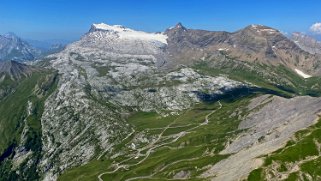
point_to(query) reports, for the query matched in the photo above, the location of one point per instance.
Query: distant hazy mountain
(307, 43)
(14, 48)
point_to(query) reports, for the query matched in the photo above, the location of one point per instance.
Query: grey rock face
(104, 76)
(279, 118)
(255, 43)
(271, 123)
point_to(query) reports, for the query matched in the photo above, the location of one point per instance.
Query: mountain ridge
(128, 104)
(254, 43)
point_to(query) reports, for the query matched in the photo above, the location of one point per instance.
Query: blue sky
(69, 19)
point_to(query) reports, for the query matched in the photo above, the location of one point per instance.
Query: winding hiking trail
(206, 117)
(153, 145)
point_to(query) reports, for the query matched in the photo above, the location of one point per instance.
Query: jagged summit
(179, 25)
(254, 43)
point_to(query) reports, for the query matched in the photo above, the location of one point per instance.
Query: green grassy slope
(192, 152)
(161, 159)
(300, 158)
(13, 107)
(14, 117)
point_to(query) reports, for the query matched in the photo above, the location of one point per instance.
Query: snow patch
(302, 74)
(127, 33)
(223, 49)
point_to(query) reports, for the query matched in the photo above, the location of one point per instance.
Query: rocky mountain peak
(179, 25)
(252, 43)
(177, 28)
(261, 30)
